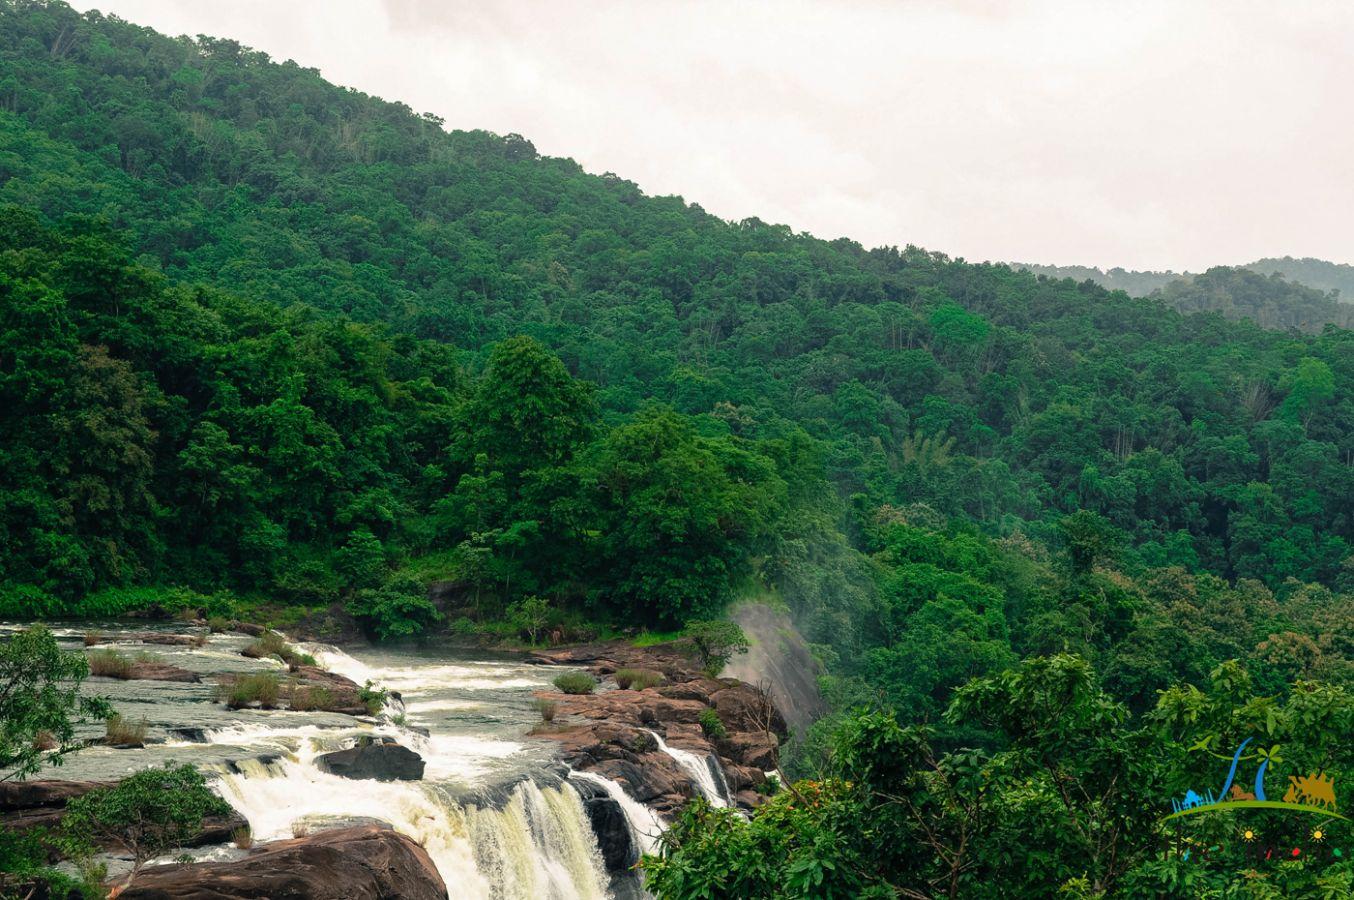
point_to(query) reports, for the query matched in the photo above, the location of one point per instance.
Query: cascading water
(535, 842)
(493, 809)
(703, 772)
(645, 826)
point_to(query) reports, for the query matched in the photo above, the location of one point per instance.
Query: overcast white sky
(1170, 134)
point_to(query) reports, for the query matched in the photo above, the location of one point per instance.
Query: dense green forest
(263, 337)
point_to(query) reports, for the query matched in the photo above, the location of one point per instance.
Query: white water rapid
(703, 772)
(491, 829)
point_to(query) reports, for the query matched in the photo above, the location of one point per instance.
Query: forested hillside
(1315, 273)
(1306, 294)
(1268, 300)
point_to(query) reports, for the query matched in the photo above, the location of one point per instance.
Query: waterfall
(645, 826)
(536, 845)
(700, 771)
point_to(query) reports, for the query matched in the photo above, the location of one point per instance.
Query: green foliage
(144, 814)
(40, 694)
(372, 697)
(712, 726)
(576, 683)
(715, 643)
(1066, 797)
(23, 866)
(399, 608)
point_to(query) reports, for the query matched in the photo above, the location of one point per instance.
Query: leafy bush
(711, 725)
(144, 814)
(40, 692)
(637, 679)
(529, 615)
(715, 643)
(399, 608)
(576, 683)
(24, 871)
(121, 730)
(109, 664)
(272, 645)
(372, 697)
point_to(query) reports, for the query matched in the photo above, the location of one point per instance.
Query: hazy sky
(1170, 134)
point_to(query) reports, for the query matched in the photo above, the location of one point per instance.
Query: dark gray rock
(379, 760)
(609, 825)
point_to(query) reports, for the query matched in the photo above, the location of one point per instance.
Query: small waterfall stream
(645, 826)
(704, 772)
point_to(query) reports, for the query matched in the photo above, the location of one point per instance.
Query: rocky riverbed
(458, 765)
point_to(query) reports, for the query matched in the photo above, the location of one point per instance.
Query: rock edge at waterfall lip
(609, 732)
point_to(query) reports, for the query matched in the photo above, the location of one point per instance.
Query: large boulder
(742, 707)
(379, 760)
(756, 749)
(365, 863)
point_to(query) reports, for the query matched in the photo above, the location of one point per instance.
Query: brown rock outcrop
(611, 732)
(363, 863)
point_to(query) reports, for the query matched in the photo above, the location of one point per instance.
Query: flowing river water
(495, 810)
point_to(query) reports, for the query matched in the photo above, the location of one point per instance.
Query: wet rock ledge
(611, 732)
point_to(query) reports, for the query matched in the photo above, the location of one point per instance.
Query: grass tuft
(576, 683)
(638, 679)
(547, 709)
(110, 664)
(121, 730)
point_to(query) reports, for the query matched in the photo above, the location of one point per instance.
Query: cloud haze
(1142, 134)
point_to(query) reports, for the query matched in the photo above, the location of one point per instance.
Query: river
(496, 810)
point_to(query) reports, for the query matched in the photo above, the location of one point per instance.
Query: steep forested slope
(990, 394)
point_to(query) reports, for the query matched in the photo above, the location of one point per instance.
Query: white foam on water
(538, 845)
